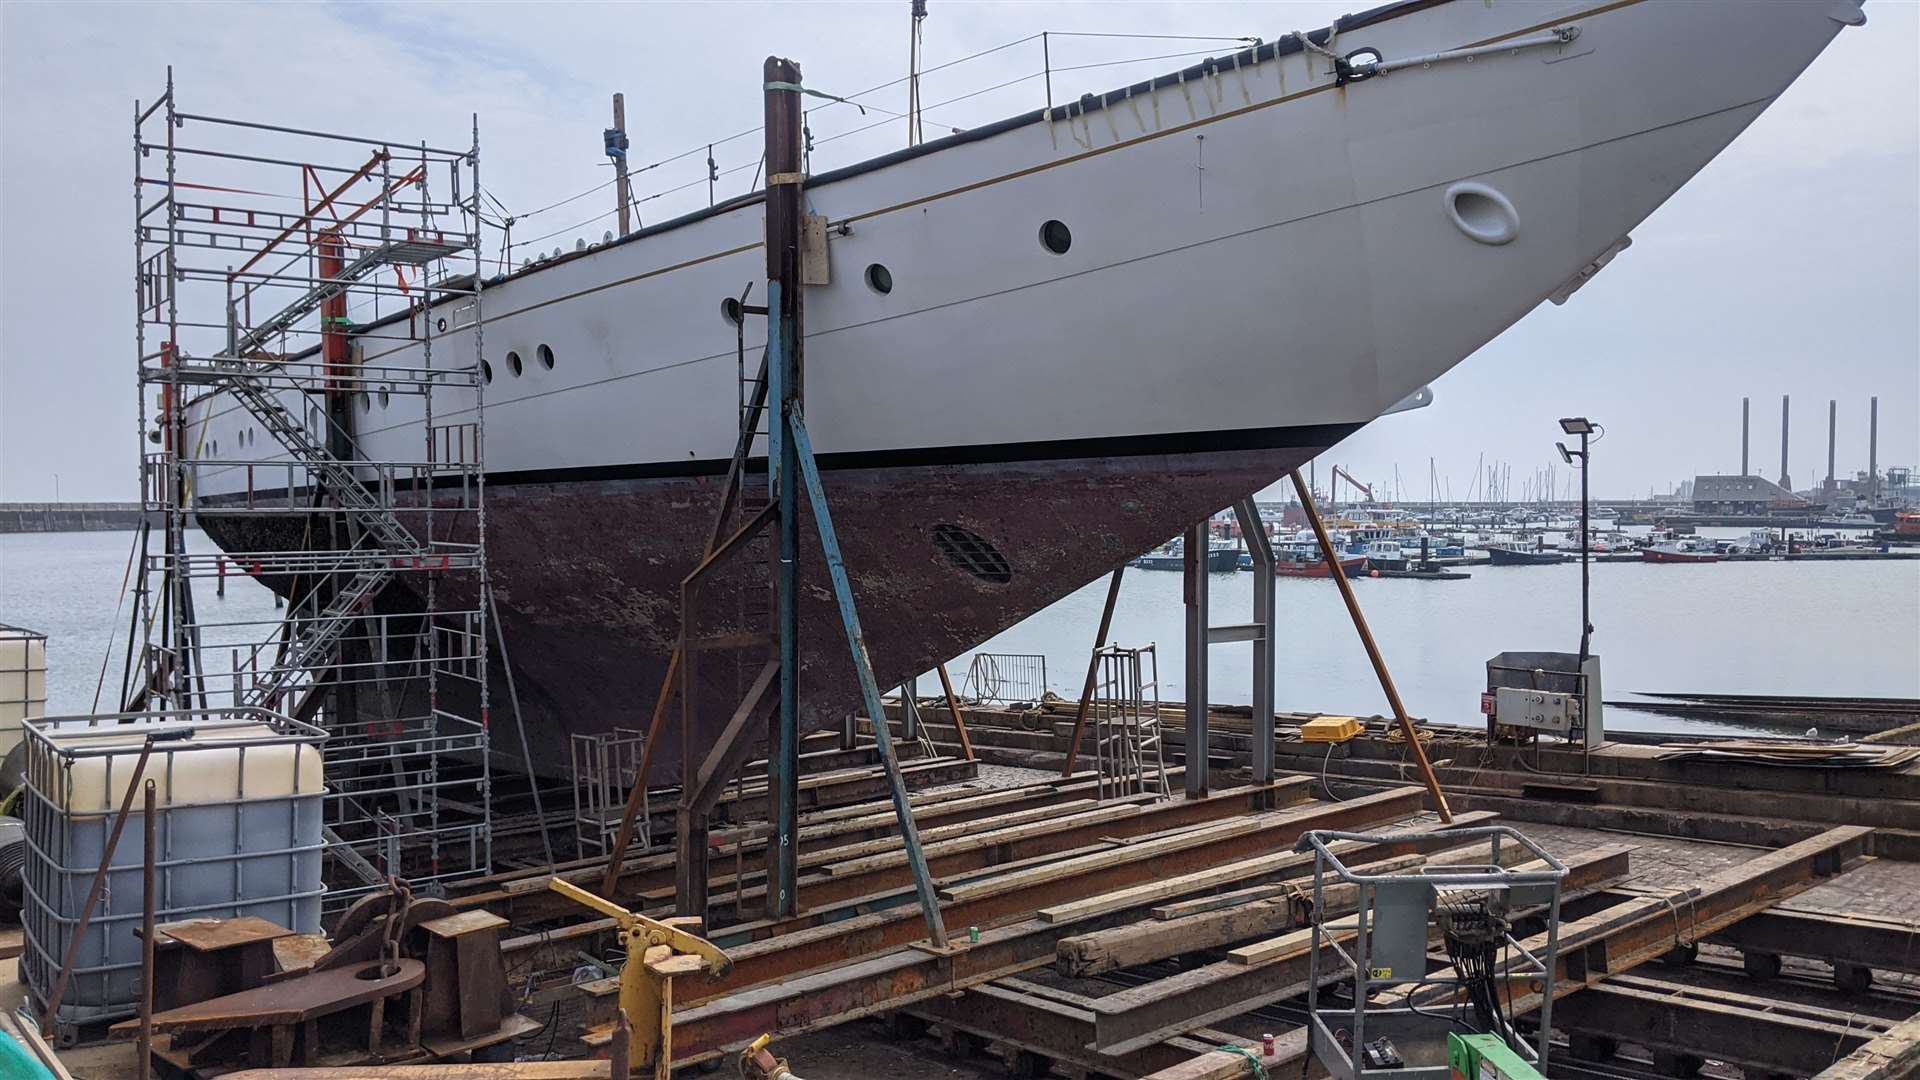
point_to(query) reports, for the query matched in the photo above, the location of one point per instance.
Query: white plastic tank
(23, 682)
(238, 795)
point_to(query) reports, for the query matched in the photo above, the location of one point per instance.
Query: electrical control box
(1549, 692)
(1540, 710)
(1330, 729)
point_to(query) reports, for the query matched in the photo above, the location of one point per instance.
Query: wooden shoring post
(1199, 742)
(960, 725)
(1093, 668)
(1379, 662)
(785, 338)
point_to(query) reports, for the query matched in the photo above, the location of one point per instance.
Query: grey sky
(1790, 265)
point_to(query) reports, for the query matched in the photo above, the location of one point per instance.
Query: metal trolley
(1385, 944)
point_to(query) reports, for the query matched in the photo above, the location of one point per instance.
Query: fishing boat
(1126, 307)
(1683, 551)
(1386, 555)
(1305, 560)
(1514, 555)
(1220, 557)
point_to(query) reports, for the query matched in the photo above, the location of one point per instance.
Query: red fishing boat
(1306, 561)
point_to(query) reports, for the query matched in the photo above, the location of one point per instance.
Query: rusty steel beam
(1737, 1029)
(1055, 1024)
(1622, 937)
(1867, 941)
(853, 968)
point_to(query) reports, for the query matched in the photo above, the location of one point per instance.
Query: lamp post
(1581, 426)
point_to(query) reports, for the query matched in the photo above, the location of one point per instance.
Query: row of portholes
(514, 365)
(1055, 238)
(246, 437)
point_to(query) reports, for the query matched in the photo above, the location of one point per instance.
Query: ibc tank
(23, 681)
(238, 825)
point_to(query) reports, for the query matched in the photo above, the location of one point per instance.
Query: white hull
(1310, 275)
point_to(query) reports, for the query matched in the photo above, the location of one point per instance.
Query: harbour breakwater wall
(23, 517)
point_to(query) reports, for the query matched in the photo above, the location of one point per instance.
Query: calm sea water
(1765, 628)
(1836, 628)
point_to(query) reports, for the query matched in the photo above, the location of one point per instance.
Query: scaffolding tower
(311, 395)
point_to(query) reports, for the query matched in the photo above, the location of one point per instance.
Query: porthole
(386, 396)
(1056, 237)
(973, 553)
(513, 363)
(546, 357)
(216, 448)
(879, 279)
(730, 310)
(486, 372)
(440, 325)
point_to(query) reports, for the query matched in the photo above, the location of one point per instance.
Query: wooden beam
(1093, 668)
(1893, 1056)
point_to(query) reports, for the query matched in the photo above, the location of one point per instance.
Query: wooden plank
(1276, 863)
(1893, 1056)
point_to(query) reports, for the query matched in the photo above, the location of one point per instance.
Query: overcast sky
(1791, 265)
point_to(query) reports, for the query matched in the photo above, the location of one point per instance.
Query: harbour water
(1839, 628)
(1811, 628)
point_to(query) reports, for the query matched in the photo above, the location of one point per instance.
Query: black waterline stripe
(1305, 436)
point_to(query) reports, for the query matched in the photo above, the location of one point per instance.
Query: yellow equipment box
(1332, 729)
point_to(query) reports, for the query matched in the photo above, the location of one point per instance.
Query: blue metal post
(802, 447)
(783, 780)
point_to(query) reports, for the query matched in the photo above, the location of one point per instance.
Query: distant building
(1742, 495)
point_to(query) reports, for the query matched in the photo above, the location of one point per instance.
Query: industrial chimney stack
(1745, 417)
(1873, 449)
(1833, 420)
(1785, 480)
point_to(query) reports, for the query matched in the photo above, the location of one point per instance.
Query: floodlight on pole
(1581, 426)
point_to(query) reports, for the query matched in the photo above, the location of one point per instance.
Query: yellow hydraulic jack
(663, 948)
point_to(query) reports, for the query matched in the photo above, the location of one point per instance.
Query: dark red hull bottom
(587, 578)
